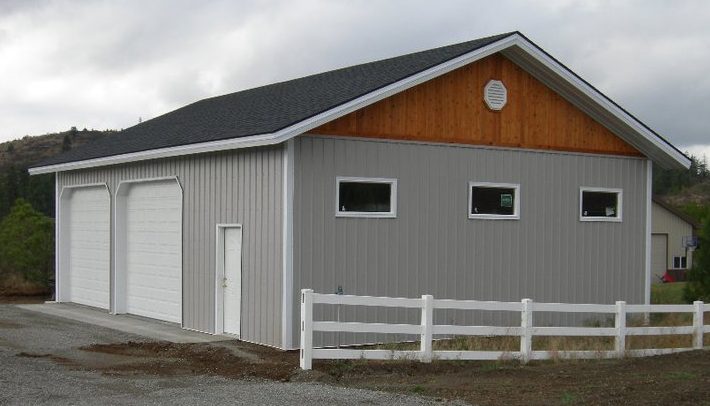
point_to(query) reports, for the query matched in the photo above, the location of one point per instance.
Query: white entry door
(232, 282)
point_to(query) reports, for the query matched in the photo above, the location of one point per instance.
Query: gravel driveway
(41, 363)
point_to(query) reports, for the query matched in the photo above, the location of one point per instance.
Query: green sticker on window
(506, 200)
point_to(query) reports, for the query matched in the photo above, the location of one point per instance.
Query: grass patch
(568, 398)
(419, 389)
(682, 375)
(667, 293)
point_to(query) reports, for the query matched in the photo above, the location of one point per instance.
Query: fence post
(427, 328)
(699, 325)
(620, 324)
(526, 323)
(306, 328)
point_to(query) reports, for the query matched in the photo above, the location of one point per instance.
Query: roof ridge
(491, 38)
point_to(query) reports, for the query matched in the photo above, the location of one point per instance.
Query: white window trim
(366, 214)
(619, 204)
(516, 201)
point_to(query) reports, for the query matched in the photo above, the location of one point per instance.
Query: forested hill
(17, 155)
(33, 149)
(687, 190)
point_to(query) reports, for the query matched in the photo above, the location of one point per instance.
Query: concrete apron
(149, 328)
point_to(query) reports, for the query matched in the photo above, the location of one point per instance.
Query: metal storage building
(671, 239)
(485, 170)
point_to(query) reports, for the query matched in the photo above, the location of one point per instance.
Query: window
(598, 204)
(680, 262)
(495, 201)
(366, 197)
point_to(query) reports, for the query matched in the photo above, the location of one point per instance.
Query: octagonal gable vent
(495, 95)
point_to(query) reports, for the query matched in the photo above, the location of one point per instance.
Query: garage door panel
(152, 252)
(157, 309)
(152, 294)
(150, 285)
(159, 267)
(153, 219)
(89, 246)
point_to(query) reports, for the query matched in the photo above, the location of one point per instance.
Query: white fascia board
(375, 96)
(212, 146)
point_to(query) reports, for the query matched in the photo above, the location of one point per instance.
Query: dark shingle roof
(266, 109)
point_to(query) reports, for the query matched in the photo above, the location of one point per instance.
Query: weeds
(491, 366)
(682, 375)
(478, 343)
(568, 398)
(667, 293)
(340, 368)
(15, 284)
(419, 389)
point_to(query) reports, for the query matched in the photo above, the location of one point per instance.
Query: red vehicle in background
(673, 275)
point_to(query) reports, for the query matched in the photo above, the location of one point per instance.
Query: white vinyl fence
(427, 329)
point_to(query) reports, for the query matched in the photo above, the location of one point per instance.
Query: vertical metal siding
(241, 186)
(432, 247)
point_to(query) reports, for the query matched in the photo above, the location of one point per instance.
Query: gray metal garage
(398, 177)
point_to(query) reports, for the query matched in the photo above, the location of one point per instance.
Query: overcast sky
(104, 64)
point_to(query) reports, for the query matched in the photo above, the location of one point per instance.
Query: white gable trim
(604, 102)
(514, 40)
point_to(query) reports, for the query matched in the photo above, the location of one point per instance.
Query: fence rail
(526, 331)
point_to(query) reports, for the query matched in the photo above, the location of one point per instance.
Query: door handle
(224, 282)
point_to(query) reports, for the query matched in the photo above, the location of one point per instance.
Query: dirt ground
(674, 379)
(234, 360)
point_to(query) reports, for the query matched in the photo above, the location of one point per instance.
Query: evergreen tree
(667, 181)
(698, 286)
(66, 143)
(10, 190)
(26, 243)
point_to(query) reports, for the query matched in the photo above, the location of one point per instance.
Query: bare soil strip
(674, 379)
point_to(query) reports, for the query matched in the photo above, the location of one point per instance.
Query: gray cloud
(103, 64)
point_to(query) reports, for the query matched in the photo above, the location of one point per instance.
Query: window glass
(364, 197)
(492, 200)
(600, 204)
(680, 262)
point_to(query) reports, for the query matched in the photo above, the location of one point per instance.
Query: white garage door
(659, 255)
(154, 250)
(89, 247)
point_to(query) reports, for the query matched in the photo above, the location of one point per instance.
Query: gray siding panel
(241, 186)
(433, 248)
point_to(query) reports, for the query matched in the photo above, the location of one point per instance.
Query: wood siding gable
(451, 109)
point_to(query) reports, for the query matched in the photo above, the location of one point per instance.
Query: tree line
(26, 231)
